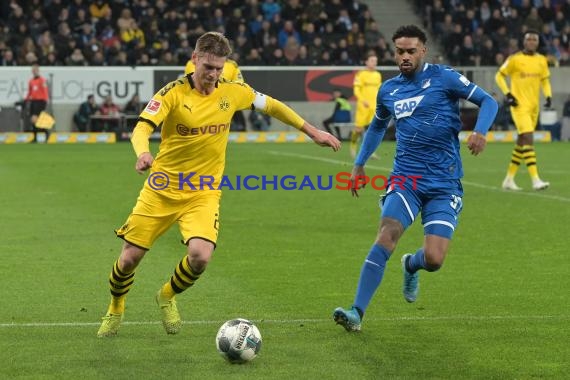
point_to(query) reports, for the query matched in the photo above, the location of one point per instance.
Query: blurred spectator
(62, 41)
(546, 12)
(303, 58)
(112, 112)
(372, 34)
(133, 108)
(50, 60)
(259, 121)
(325, 59)
(341, 113)
(292, 10)
(8, 58)
(365, 20)
(76, 58)
(291, 51)
(82, 117)
(37, 24)
(28, 47)
(485, 12)
(133, 36)
(80, 19)
(270, 8)
(98, 8)
(126, 19)
(16, 19)
(533, 20)
(253, 58)
(277, 58)
(514, 23)
(56, 11)
(287, 32)
(343, 24)
(314, 9)
(488, 52)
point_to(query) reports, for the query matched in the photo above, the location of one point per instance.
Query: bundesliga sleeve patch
(152, 107)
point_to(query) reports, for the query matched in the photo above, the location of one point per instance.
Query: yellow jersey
(528, 73)
(195, 131)
(366, 85)
(230, 72)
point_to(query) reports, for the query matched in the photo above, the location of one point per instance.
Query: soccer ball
(238, 340)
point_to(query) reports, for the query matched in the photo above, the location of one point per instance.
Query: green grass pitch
(498, 309)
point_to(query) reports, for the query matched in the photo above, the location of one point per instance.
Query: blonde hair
(213, 43)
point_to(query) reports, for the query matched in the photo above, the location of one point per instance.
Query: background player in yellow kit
(231, 71)
(366, 85)
(195, 114)
(528, 72)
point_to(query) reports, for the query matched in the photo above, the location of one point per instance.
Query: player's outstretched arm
(358, 180)
(140, 141)
(282, 112)
(321, 138)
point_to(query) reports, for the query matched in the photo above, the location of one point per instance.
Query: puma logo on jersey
(189, 108)
(406, 107)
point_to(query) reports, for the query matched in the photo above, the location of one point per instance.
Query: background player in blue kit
(423, 101)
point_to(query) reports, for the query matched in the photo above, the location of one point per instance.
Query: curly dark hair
(409, 31)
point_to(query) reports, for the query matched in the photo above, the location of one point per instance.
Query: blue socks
(416, 262)
(370, 276)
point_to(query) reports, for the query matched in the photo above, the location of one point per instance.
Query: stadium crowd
(484, 33)
(163, 32)
(267, 32)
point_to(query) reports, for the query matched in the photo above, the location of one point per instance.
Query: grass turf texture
(285, 259)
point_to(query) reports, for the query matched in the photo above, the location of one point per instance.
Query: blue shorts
(439, 201)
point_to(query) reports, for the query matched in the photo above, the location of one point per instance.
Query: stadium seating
(263, 32)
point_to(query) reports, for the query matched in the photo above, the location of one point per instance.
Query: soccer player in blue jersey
(423, 101)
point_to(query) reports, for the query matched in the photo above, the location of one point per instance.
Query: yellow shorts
(364, 115)
(197, 216)
(525, 120)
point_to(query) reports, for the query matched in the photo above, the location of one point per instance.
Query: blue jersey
(425, 109)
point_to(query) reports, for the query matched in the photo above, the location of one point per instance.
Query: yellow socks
(120, 283)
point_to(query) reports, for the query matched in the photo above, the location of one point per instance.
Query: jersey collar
(191, 81)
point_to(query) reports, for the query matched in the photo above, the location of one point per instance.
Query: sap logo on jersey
(406, 107)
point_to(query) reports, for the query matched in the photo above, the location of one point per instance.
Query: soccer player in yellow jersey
(528, 72)
(195, 114)
(366, 85)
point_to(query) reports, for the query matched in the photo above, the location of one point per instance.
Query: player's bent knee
(430, 267)
(198, 258)
(433, 262)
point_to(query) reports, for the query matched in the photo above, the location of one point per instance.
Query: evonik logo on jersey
(406, 107)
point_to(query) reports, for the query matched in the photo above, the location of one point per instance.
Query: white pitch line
(306, 320)
(468, 183)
